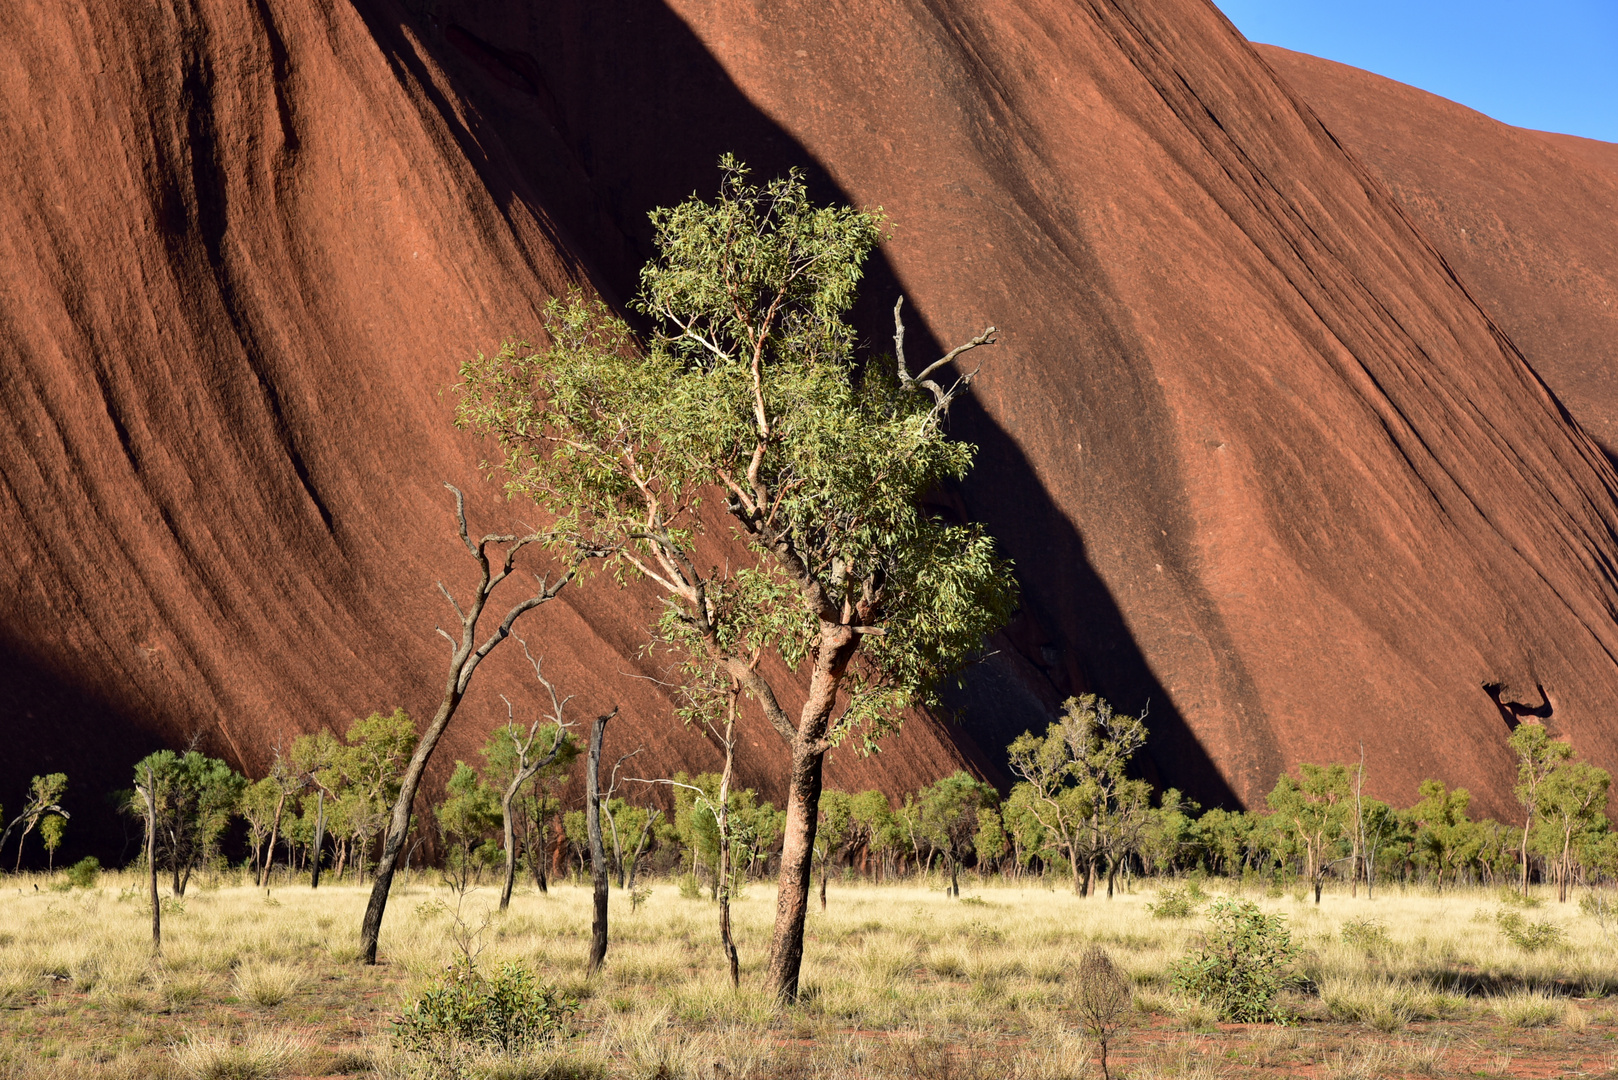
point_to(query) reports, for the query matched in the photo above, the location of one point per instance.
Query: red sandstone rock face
(1528, 219)
(1261, 459)
(244, 248)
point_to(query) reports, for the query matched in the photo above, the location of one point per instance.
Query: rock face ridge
(1266, 466)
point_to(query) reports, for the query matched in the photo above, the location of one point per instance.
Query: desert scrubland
(899, 981)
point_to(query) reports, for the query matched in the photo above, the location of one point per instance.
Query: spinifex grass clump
(1242, 963)
(507, 1012)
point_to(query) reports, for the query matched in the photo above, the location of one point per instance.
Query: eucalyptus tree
(516, 758)
(836, 826)
(947, 816)
(1572, 810)
(749, 389)
(187, 800)
(44, 797)
(1313, 813)
(1076, 787)
(1538, 755)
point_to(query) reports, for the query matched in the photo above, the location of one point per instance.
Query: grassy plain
(900, 981)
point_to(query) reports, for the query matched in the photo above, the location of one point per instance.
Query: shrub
(1241, 965)
(1529, 936)
(1103, 1000)
(1176, 903)
(1367, 934)
(507, 1012)
(1599, 907)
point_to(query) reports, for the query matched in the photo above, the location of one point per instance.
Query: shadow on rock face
(68, 727)
(594, 114)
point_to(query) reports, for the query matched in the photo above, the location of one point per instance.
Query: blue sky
(1547, 64)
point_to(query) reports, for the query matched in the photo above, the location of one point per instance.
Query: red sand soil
(1264, 462)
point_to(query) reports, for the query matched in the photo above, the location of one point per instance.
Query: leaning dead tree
(467, 652)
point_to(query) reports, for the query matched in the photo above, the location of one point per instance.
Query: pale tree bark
(150, 794)
(275, 834)
(598, 857)
(467, 654)
(1359, 830)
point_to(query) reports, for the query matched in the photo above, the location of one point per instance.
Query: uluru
(1298, 430)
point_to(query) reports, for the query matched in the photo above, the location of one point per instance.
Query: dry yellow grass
(898, 981)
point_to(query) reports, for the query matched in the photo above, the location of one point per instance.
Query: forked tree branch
(941, 397)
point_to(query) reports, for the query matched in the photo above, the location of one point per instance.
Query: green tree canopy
(1314, 813)
(195, 797)
(749, 390)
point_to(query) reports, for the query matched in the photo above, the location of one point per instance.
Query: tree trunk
(1562, 872)
(640, 848)
(151, 862)
(797, 856)
(726, 939)
(275, 834)
(954, 878)
(1525, 829)
(320, 839)
(598, 857)
(544, 853)
(823, 869)
(510, 840)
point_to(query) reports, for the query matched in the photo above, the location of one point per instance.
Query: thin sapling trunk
(598, 857)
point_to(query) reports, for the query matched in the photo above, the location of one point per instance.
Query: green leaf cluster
(1242, 963)
(506, 1012)
(748, 389)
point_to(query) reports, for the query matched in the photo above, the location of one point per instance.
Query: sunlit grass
(891, 975)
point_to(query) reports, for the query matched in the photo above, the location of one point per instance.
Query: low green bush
(1529, 936)
(1241, 964)
(1368, 935)
(1176, 903)
(85, 873)
(506, 1012)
